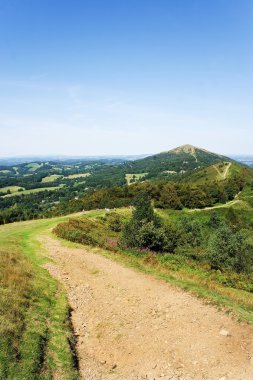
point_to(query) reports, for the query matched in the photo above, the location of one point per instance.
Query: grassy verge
(35, 333)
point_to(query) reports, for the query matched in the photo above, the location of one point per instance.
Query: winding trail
(225, 173)
(132, 326)
(224, 205)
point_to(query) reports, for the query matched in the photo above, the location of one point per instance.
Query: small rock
(103, 362)
(223, 378)
(114, 366)
(224, 332)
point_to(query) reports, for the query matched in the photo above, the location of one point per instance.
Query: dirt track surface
(132, 326)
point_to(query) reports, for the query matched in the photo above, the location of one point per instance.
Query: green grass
(212, 173)
(33, 166)
(51, 178)
(39, 189)
(12, 189)
(137, 176)
(34, 323)
(80, 175)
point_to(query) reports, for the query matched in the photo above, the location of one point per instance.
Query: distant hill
(175, 162)
(11, 161)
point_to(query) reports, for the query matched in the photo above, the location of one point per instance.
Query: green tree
(169, 198)
(228, 250)
(215, 220)
(144, 212)
(114, 222)
(143, 230)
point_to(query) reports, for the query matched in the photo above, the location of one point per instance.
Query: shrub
(230, 251)
(114, 222)
(151, 237)
(144, 229)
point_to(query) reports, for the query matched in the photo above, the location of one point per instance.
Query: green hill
(175, 162)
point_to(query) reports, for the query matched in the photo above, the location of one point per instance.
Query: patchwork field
(131, 178)
(12, 189)
(51, 178)
(32, 191)
(80, 175)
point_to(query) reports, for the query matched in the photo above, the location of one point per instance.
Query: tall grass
(35, 333)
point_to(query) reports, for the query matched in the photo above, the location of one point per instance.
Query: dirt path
(132, 326)
(225, 173)
(224, 205)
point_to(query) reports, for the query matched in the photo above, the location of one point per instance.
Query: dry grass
(34, 314)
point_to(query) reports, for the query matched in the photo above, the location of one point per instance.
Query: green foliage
(190, 232)
(114, 221)
(144, 212)
(144, 229)
(88, 232)
(169, 198)
(151, 237)
(215, 220)
(229, 250)
(232, 218)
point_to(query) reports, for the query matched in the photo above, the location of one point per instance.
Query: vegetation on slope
(35, 334)
(180, 160)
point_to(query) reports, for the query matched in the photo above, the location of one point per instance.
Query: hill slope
(218, 172)
(176, 161)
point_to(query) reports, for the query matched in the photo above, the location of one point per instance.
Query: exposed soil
(132, 326)
(225, 173)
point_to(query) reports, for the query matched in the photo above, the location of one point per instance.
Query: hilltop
(180, 160)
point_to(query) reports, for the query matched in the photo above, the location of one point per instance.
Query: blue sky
(88, 77)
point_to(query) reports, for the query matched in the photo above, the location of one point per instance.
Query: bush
(114, 222)
(230, 251)
(144, 229)
(190, 232)
(151, 237)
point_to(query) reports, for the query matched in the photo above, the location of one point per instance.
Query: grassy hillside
(35, 332)
(218, 172)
